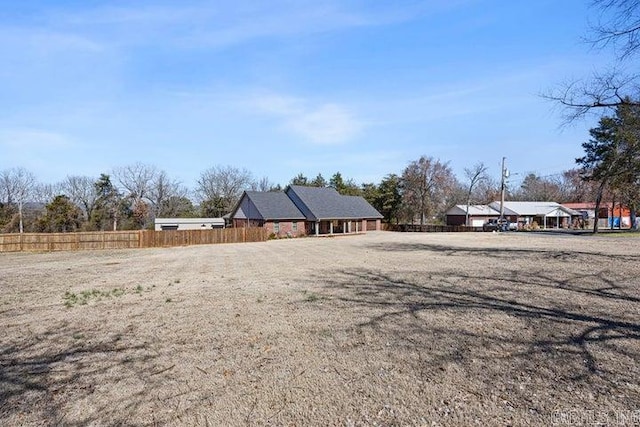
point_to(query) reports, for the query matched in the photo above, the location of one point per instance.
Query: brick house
(301, 210)
(271, 210)
(544, 214)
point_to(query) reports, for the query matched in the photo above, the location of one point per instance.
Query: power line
(522, 176)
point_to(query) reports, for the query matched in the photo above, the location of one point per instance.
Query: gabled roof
(270, 205)
(474, 210)
(325, 203)
(535, 208)
(358, 207)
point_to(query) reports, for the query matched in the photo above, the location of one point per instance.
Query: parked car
(499, 224)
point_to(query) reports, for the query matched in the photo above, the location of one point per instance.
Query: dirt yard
(378, 329)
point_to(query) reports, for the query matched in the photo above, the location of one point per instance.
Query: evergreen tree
(299, 179)
(108, 209)
(319, 181)
(389, 198)
(61, 216)
(346, 188)
(612, 155)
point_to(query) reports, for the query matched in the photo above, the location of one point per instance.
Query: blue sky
(289, 86)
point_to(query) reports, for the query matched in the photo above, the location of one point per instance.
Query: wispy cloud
(33, 139)
(44, 41)
(227, 23)
(319, 123)
(512, 89)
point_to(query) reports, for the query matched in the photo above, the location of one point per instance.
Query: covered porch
(557, 218)
(338, 226)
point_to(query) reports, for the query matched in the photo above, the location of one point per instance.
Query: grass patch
(71, 299)
(118, 292)
(312, 296)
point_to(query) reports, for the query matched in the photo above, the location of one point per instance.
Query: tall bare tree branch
(618, 27)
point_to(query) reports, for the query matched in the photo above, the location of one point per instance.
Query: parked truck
(499, 224)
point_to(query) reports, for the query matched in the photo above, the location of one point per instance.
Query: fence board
(46, 242)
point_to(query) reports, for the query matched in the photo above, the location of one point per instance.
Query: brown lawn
(379, 329)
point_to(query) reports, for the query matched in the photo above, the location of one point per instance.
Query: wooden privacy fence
(426, 228)
(28, 242)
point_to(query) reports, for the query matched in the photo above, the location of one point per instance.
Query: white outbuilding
(188, 223)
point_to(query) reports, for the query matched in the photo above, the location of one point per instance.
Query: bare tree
(177, 207)
(618, 26)
(600, 93)
(263, 184)
(81, 190)
(136, 179)
(45, 193)
(161, 190)
(17, 185)
(487, 191)
(426, 184)
(223, 186)
(539, 188)
(574, 188)
(474, 175)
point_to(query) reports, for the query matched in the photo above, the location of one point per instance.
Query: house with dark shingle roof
(271, 210)
(301, 210)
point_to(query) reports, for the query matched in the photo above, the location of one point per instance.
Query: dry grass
(380, 329)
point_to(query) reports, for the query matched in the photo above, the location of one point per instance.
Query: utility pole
(505, 174)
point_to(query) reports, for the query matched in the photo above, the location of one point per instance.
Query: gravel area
(377, 329)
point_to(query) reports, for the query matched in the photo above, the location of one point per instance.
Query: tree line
(131, 197)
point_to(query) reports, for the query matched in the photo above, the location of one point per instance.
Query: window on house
(294, 227)
(276, 227)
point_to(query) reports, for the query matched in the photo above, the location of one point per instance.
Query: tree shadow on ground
(524, 329)
(504, 253)
(602, 284)
(46, 376)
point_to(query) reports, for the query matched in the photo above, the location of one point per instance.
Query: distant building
(478, 215)
(608, 215)
(544, 214)
(188, 223)
(301, 210)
